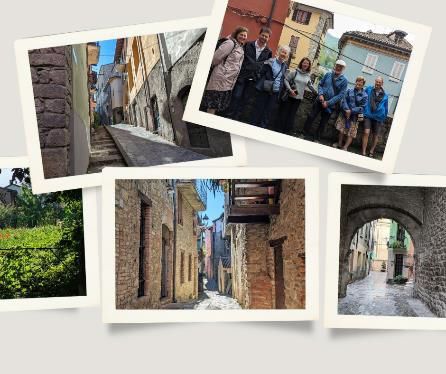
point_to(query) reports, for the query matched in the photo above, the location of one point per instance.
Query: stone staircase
(104, 152)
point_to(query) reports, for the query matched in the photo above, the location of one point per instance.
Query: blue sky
(5, 177)
(214, 205)
(106, 54)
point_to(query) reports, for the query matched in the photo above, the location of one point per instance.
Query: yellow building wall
(140, 65)
(303, 46)
(186, 288)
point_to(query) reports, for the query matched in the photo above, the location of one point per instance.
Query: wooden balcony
(253, 201)
(193, 193)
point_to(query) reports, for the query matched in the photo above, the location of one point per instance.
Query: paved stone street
(373, 296)
(210, 299)
(142, 148)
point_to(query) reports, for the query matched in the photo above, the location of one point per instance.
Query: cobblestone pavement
(374, 297)
(142, 148)
(208, 300)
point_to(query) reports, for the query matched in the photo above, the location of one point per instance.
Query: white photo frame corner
(387, 164)
(311, 311)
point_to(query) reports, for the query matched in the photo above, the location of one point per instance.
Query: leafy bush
(37, 273)
(28, 273)
(36, 237)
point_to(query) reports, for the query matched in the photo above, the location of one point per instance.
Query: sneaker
(335, 145)
(301, 136)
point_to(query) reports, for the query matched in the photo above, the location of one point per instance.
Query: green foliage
(33, 210)
(399, 279)
(8, 216)
(43, 273)
(37, 273)
(37, 237)
(397, 244)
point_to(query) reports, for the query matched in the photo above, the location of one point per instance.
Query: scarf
(376, 99)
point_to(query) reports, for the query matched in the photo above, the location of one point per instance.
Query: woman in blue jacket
(375, 114)
(353, 106)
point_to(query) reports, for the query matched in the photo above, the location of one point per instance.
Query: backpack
(219, 43)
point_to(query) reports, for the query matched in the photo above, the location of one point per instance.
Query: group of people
(245, 71)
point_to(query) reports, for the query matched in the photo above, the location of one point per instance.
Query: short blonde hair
(360, 78)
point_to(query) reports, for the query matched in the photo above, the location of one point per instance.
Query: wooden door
(398, 265)
(278, 276)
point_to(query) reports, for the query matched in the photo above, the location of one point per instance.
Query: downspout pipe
(174, 255)
(273, 7)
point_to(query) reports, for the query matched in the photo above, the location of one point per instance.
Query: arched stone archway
(362, 204)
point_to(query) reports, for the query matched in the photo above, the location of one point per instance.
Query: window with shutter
(370, 63)
(301, 16)
(397, 71)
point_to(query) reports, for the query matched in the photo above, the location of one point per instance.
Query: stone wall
(180, 80)
(51, 72)
(291, 223)
(186, 288)
(330, 135)
(128, 197)
(153, 86)
(430, 255)
(253, 264)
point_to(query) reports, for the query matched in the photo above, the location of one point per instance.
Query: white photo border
(414, 69)
(331, 317)
(112, 315)
(42, 184)
(89, 207)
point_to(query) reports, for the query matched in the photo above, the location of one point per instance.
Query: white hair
(284, 48)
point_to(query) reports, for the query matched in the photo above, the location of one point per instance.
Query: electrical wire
(303, 33)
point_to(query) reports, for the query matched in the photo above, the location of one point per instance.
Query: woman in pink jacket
(227, 62)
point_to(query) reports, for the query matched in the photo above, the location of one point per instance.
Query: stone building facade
(268, 259)
(430, 253)
(160, 69)
(60, 78)
(156, 242)
(144, 225)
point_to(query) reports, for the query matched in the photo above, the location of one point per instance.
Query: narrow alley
(104, 151)
(209, 299)
(373, 296)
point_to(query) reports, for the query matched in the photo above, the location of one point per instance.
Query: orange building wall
(261, 10)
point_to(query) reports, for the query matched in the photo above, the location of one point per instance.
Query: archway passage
(382, 272)
(418, 211)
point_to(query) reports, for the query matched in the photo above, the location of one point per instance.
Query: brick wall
(253, 264)
(430, 254)
(129, 194)
(186, 245)
(51, 72)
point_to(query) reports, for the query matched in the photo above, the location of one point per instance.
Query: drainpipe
(166, 63)
(174, 255)
(270, 18)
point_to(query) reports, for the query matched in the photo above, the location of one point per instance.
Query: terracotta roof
(394, 40)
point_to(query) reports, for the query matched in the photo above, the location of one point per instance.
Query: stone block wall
(291, 223)
(186, 288)
(181, 77)
(430, 254)
(253, 264)
(51, 72)
(128, 197)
